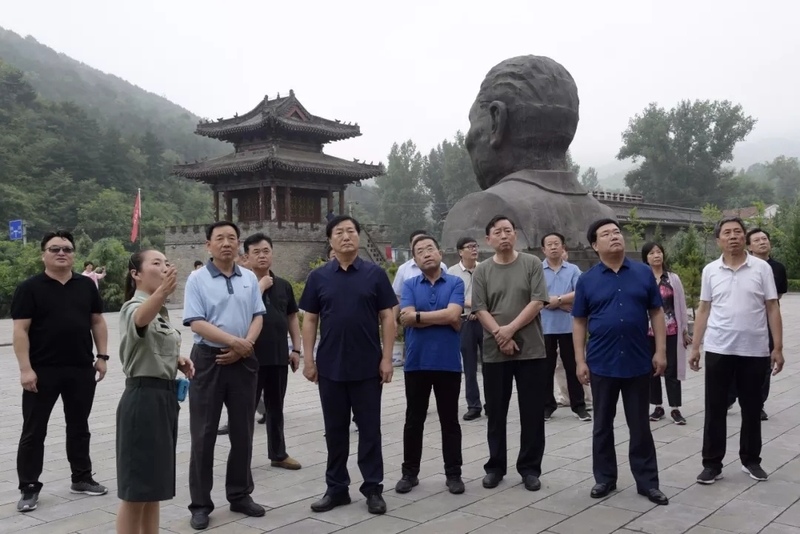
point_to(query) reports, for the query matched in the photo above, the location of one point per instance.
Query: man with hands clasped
(223, 307)
(613, 301)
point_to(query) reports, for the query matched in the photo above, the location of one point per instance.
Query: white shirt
(737, 324)
(405, 272)
(466, 276)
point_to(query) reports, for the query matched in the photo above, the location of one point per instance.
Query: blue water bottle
(183, 389)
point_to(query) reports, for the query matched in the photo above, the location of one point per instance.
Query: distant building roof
(622, 203)
(751, 212)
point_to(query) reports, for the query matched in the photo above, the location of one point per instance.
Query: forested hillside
(111, 101)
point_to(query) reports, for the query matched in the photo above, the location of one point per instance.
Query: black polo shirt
(348, 303)
(272, 346)
(779, 273)
(61, 319)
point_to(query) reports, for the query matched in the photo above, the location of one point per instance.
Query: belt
(151, 382)
(207, 349)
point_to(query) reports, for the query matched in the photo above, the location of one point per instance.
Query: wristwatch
(104, 357)
(417, 317)
(296, 351)
(559, 299)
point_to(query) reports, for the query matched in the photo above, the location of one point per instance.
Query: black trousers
(733, 393)
(446, 387)
(670, 375)
(748, 374)
(471, 344)
(272, 380)
(642, 450)
(364, 399)
(498, 382)
(213, 386)
(556, 344)
(76, 387)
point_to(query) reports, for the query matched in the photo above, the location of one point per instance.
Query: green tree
(658, 235)
(403, 201)
(571, 165)
(590, 180)
(786, 238)
(635, 228)
(784, 173)
(687, 261)
(711, 216)
(682, 151)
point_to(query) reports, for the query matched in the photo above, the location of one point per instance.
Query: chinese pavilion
(278, 171)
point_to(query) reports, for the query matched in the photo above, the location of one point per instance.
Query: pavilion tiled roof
(279, 158)
(285, 113)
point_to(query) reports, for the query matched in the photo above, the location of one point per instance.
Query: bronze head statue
(525, 117)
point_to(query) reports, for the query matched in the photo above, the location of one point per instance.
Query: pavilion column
(262, 203)
(228, 206)
(341, 202)
(288, 198)
(216, 204)
(273, 204)
(330, 201)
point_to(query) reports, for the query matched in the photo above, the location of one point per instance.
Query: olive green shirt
(504, 291)
(152, 351)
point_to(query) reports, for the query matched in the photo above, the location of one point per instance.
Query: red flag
(137, 215)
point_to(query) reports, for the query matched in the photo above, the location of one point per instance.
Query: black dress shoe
(532, 483)
(602, 489)
(491, 480)
(223, 430)
(375, 503)
(199, 520)
(655, 495)
(472, 414)
(406, 484)
(262, 420)
(248, 508)
(329, 502)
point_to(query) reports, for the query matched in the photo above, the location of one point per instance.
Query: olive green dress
(147, 415)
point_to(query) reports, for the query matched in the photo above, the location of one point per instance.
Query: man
(95, 274)
(56, 315)
(407, 270)
(272, 347)
(430, 311)
(349, 299)
(615, 298)
(198, 265)
(508, 294)
(471, 330)
(759, 245)
(330, 215)
(223, 307)
(561, 277)
(738, 310)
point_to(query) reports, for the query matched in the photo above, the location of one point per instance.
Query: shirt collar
(335, 266)
(626, 264)
(748, 262)
(546, 264)
(464, 269)
(214, 270)
(441, 279)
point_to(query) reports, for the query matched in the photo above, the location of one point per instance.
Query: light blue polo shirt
(229, 303)
(559, 283)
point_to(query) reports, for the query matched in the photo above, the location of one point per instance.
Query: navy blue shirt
(617, 306)
(348, 303)
(436, 347)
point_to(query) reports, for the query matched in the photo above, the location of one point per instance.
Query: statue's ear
(499, 114)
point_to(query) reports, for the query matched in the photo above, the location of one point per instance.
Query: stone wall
(296, 246)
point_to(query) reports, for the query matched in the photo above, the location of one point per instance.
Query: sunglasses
(56, 250)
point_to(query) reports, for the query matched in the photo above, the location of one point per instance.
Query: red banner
(137, 215)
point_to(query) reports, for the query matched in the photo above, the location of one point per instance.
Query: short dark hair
(220, 224)
(423, 237)
(134, 264)
(756, 231)
(198, 263)
(496, 219)
(561, 237)
(336, 221)
(648, 247)
(414, 234)
(591, 233)
(464, 241)
(63, 234)
(725, 220)
(87, 263)
(256, 238)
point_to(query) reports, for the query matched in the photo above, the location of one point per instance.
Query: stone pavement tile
(776, 528)
(681, 475)
(706, 530)
(773, 492)
(75, 523)
(452, 523)
(307, 526)
(743, 516)
(434, 506)
(714, 496)
(791, 516)
(219, 517)
(668, 519)
(526, 521)
(382, 524)
(570, 501)
(230, 528)
(503, 503)
(596, 520)
(280, 517)
(629, 499)
(17, 522)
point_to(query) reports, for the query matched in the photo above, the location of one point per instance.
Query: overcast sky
(410, 70)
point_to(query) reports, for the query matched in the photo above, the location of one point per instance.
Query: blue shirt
(617, 306)
(436, 347)
(228, 302)
(559, 283)
(348, 304)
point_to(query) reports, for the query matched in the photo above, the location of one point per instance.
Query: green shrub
(794, 286)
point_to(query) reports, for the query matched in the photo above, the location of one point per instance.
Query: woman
(677, 334)
(147, 415)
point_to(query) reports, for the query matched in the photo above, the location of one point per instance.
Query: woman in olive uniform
(147, 415)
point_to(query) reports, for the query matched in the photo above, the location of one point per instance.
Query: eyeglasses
(470, 247)
(56, 250)
(258, 253)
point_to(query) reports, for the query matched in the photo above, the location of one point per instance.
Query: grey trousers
(213, 386)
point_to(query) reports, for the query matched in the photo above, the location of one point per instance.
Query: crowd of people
(617, 328)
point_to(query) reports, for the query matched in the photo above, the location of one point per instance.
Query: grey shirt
(466, 276)
(504, 291)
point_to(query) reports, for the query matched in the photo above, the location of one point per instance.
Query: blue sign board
(15, 230)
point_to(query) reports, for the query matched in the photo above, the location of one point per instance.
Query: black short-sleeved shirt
(348, 304)
(272, 346)
(61, 319)
(779, 272)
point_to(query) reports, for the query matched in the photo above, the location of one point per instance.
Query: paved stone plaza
(563, 505)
